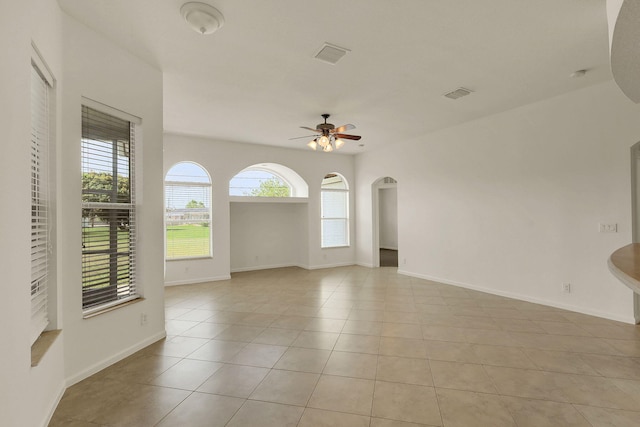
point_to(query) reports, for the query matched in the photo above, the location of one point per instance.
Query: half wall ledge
(625, 265)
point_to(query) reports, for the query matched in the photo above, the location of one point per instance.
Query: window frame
(41, 209)
(95, 301)
(273, 173)
(345, 191)
(209, 220)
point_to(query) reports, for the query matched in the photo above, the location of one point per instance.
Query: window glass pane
(333, 181)
(187, 212)
(258, 183)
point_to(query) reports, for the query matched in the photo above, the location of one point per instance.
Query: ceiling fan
(330, 137)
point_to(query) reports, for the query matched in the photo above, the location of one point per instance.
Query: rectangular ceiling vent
(331, 53)
(458, 93)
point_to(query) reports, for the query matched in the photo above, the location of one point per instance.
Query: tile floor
(355, 346)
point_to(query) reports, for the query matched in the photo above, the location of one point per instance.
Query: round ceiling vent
(201, 17)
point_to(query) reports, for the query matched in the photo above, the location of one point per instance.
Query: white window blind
(108, 210)
(187, 212)
(334, 202)
(39, 202)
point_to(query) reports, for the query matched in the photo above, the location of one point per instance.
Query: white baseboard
(321, 266)
(197, 280)
(54, 405)
(97, 367)
(262, 267)
(365, 264)
(555, 304)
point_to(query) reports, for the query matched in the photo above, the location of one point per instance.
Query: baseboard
(54, 405)
(97, 367)
(365, 264)
(197, 280)
(261, 267)
(389, 248)
(338, 264)
(522, 297)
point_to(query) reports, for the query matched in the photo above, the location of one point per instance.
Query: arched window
(268, 180)
(334, 198)
(187, 195)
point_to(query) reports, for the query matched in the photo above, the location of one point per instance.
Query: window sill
(42, 345)
(190, 258)
(253, 199)
(98, 311)
(335, 247)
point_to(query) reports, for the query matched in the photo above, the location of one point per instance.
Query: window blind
(334, 205)
(188, 219)
(39, 202)
(108, 210)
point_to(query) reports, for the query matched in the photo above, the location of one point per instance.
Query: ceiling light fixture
(201, 17)
(330, 138)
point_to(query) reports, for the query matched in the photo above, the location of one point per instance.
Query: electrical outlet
(566, 288)
(608, 228)
(143, 319)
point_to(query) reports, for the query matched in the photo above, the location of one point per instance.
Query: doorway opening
(385, 222)
(635, 213)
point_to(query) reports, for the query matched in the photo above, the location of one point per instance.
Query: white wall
(223, 160)
(511, 203)
(267, 235)
(27, 395)
(94, 68)
(388, 211)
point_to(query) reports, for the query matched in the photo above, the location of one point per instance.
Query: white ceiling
(255, 80)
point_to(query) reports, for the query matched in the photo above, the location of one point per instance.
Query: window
(257, 182)
(334, 201)
(41, 84)
(187, 193)
(108, 209)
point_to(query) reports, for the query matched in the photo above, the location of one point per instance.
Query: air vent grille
(331, 53)
(458, 93)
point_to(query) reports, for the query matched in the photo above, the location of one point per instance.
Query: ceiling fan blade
(345, 136)
(300, 137)
(312, 130)
(343, 128)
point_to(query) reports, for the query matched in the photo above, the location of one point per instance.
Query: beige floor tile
(358, 343)
(444, 333)
(277, 336)
(203, 410)
(187, 374)
(370, 315)
(325, 325)
(501, 356)
(401, 330)
(362, 327)
(177, 327)
(239, 333)
(461, 376)
(265, 414)
(402, 347)
(334, 313)
(205, 330)
(176, 346)
(342, 394)
(257, 319)
(69, 422)
(287, 387)
(234, 380)
(317, 340)
(262, 355)
(141, 369)
(196, 315)
(603, 417)
(560, 361)
(348, 364)
(404, 370)
(540, 413)
(303, 359)
(450, 351)
(218, 351)
(320, 418)
(401, 317)
(614, 366)
(381, 422)
(406, 402)
(489, 337)
(466, 408)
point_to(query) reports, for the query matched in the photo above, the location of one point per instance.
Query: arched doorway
(385, 222)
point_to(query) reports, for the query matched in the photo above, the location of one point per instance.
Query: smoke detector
(458, 93)
(201, 17)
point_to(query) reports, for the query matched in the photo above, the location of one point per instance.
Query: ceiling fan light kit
(331, 137)
(201, 17)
